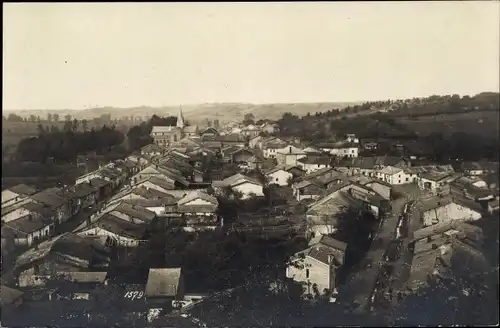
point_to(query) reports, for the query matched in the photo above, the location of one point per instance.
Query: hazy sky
(129, 54)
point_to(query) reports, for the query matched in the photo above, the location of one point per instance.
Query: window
(276, 179)
(407, 179)
(307, 273)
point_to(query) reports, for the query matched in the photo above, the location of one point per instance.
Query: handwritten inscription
(134, 295)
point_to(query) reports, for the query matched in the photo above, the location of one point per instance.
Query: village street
(362, 284)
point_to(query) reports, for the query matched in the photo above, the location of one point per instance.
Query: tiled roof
(50, 197)
(25, 225)
(333, 243)
(138, 212)
(193, 195)
(22, 189)
(121, 227)
(67, 243)
(320, 160)
(163, 282)
(161, 129)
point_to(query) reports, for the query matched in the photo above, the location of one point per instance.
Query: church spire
(180, 119)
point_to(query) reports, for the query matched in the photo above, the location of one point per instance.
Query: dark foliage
(64, 146)
(139, 135)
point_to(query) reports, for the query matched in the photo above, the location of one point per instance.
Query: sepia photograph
(250, 164)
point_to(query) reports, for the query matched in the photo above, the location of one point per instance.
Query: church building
(166, 135)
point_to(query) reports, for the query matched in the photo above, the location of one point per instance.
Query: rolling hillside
(200, 112)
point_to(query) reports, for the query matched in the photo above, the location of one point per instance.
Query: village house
(341, 148)
(103, 187)
(316, 267)
(164, 288)
(433, 181)
(117, 232)
(312, 150)
(382, 188)
(471, 188)
(133, 214)
(312, 163)
(191, 131)
(473, 169)
(237, 155)
(198, 210)
(370, 145)
(255, 163)
(52, 198)
(282, 175)
(250, 131)
(393, 175)
(152, 150)
(307, 189)
(290, 155)
(28, 230)
(67, 252)
(270, 128)
(253, 142)
(17, 194)
(433, 248)
(245, 185)
(321, 215)
(435, 210)
(210, 131)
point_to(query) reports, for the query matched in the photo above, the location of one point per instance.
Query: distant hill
(200, 112)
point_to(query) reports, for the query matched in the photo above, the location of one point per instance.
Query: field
(484, 124)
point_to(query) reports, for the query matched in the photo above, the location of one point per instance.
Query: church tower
(180, 119)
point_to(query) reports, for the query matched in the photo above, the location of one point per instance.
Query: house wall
(10, 198)
(381, 189)
(312, 167)
(35, 236)
(248, 188)
(319, 274)
(349, 152)
(280, 177)
(15, 214)
(87, 177)
(474, 172)
(480, 184)
(450, 212)
(253, 143)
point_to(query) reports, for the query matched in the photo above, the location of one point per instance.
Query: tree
(32, 118)
(40, 129)
(49, 117)
(248, 119)
(74, 127)
(55, 117)
(85, 125)
(14, 118)
(67, 118)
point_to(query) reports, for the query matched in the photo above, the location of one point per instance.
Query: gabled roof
(163, 282)
(25, 225)
(163, 129)
(50, 197)
(22, 189)
(339, 198)
(318, 160)
(98, 182)
(152, 194)
(435, 176)
(238, 179)
(120, 227)
(160, 182)
(134, 211)
(151, 148)
(67, 243)
(333, 243)
(390, 170)
(193, 195)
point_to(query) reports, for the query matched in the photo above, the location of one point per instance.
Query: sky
(80, 55)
